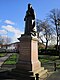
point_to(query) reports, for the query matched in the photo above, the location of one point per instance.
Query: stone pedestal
(28, 54)
(28, 63)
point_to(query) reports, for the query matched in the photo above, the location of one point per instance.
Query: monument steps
(21, 76)
(22, 72)
(43, 72)
(39, 70)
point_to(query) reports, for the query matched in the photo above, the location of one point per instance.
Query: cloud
(9, 22)
(9, 28)
(12, 29)
(16, 36)
(3, 32)
(17, 32)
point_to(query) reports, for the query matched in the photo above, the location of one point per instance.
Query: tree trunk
(57, 38)
(46, 44)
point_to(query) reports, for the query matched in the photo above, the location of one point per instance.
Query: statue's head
(29, 6)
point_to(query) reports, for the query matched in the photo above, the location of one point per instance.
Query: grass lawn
(2, 54)
(47, 58)
(48, 61)
(12, 59)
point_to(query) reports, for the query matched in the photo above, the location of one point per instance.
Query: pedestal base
(28, 64)
(28, 75)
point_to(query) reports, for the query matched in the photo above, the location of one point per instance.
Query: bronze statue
(30, 21)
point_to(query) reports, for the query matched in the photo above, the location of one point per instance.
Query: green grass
(2, 54)
(58, 66)
(45, 59)
(12, 59)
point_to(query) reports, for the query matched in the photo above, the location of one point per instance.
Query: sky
(12, 13)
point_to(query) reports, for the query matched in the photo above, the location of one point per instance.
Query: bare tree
(54, 17)
(46, 29)
(1, 40)
(5, 40)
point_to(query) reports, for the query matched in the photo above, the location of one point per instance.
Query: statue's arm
(25, 18)
(26, 15)
(33, 14)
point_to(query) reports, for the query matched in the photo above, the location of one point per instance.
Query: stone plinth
(28, 54)
(28, 63)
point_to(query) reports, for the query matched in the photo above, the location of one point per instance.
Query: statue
(30, 21)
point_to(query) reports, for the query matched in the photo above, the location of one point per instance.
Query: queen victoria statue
(30, 21)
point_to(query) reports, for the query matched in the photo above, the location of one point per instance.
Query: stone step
(39, 70)
(22, 72)
(42, 73)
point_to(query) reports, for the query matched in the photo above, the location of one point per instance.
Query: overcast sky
(12, 13)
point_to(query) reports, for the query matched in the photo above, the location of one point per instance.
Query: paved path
(2, 59)
(55, 75)
(52, 75)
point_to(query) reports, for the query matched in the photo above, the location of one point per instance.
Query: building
(12, 46)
